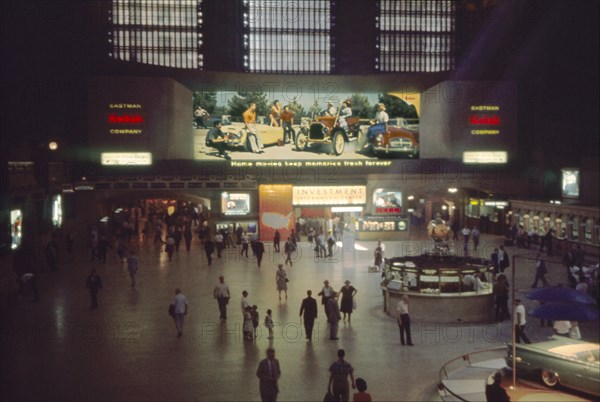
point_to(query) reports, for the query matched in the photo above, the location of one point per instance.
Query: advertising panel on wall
(16, 228)
(570, 183)
(235, 203)
(334, 195)
(387, 202)
(275, 210)
(472, 121)
(337, 127)
(139, 115)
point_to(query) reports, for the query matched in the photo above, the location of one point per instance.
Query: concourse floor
(127, 350)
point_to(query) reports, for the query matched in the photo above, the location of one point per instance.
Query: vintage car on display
(327, 130)
(237, 135)
(395, 140)
(569, 362)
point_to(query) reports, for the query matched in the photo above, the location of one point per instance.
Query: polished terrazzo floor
(127, 350)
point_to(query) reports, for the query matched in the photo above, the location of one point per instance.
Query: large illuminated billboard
(570, 183)
(329, 127)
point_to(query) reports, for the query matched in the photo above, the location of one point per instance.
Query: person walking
(500, 291)
(132, 266)
(244, 242)
(403, 318)
(170, 246)
(220, 245)
(503, 260)
(475, 236)
(466, 233)
(209, 249)
(339, 371)
(378, 254)
(187, 236)
(288, 249)
(540, 271)
(276, 241)
(494, 258)
(520, 321)
(325, 294)
(244, 303)
(180, 309)
(259, 250)
(330, 244)
(333, 316)
(269, 323)
(94, 284)
(347, 305)
(281, 280)
(221, 293)
(268, 373)
(308, 309)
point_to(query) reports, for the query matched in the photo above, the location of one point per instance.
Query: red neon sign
(484, 120)
(125, 119)
(387, 210)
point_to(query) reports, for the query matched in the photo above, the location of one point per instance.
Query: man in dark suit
(494, 258)
(268, 373)
(309, 309)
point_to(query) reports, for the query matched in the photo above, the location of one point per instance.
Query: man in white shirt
(403, 319)
(219, 243)
(244, 303)
(520, 321)
(221, 293)
(180, 305)
(562, 327)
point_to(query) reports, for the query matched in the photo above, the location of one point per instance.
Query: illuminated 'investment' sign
(126, 158)
(335, 195)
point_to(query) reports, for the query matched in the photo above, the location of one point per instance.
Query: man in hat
(494, 391)
(330, 110)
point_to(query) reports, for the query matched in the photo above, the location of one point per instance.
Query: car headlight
(325, 130)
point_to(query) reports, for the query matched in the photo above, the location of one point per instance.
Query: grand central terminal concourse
(303, 200)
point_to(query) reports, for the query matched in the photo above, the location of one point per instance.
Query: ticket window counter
(249, 227)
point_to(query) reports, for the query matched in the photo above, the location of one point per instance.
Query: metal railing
(443, 373)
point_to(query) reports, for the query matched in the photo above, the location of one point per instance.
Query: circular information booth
(442, 288)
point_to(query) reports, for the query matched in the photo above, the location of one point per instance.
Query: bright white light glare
(57, 211)
(485, 157)
(411, 210)
(444, 207)
(359, 247)
(126, 158)
(452, 190)
(105, 219)
(346, 209)
(53, 146)
(410, 197)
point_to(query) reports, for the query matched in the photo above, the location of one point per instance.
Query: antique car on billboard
(569, 362)
(401, 138)
(238, 135)
(328, 130)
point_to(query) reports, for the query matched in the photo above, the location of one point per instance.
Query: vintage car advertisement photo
(250, 126)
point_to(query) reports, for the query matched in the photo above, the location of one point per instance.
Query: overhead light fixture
(452, 190)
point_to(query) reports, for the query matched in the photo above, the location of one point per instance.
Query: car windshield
(587, 352)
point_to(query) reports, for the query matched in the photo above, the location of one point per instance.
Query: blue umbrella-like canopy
(560, 294)
(566, 311)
